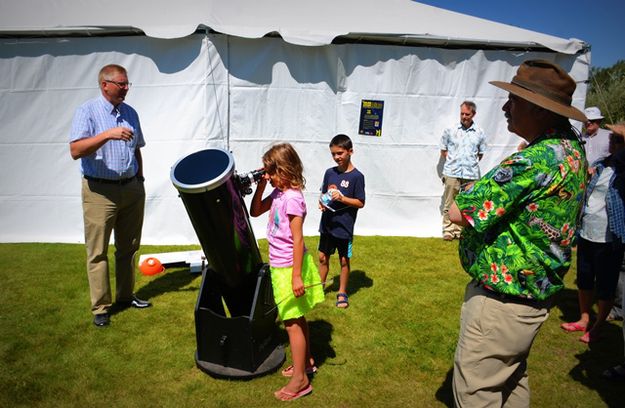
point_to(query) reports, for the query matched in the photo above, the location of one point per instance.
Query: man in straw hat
(519, 222)
(596, 140)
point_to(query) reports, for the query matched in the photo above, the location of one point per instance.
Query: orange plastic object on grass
(151, 266)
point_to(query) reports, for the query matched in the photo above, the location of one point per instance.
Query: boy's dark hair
(342, 141)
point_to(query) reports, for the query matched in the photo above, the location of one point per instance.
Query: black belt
(120, 182)
(504, 297)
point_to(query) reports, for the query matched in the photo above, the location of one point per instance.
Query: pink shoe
(588, 338)
(284, 395)
(573, 327)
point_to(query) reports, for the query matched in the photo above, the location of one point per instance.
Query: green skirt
(290, 307)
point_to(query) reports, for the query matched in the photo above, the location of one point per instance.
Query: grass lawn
(393, 347)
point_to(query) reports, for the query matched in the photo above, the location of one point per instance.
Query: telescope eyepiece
(256, 175)
(246, 179)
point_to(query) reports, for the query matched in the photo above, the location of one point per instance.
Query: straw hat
(545, 84)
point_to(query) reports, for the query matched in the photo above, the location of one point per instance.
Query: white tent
(242, 74)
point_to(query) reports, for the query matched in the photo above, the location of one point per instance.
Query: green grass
(392, 348)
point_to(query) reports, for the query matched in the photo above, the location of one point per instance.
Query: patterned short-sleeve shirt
(523, 215)
(463, 146)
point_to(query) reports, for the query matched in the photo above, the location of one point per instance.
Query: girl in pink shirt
(294, 276)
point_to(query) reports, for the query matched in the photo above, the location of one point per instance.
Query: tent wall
(243, 94)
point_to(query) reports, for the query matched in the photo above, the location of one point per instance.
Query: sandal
(590, 338)
(573, 327)
(288, 372)
(283, 395)
(342, 301)
(615, 373)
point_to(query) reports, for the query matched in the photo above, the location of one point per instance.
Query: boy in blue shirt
(342, 194)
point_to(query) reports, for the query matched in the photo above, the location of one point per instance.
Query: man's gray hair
(470, 104)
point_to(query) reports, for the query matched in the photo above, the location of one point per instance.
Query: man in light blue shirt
(462, 147)
(106, 136)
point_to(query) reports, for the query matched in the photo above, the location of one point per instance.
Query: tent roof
(300, 22)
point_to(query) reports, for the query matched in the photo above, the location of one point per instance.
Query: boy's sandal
(288, 372)
(342, 300)
(615, 373)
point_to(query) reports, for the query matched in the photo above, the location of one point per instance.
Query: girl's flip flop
(284, 395)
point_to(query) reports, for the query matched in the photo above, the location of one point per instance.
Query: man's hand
(120, 133)
(89, 145)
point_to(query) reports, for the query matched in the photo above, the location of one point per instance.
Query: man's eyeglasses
(120, 84)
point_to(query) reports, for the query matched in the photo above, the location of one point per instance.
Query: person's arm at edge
(456, 216)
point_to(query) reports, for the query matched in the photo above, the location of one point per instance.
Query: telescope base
(270, 365)
(238, 346)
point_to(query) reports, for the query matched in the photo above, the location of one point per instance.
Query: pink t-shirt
(285, 203)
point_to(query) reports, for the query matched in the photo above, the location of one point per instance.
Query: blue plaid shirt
(116, 158)
(614, 202)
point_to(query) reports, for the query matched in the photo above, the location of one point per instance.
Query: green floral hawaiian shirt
(523, 215)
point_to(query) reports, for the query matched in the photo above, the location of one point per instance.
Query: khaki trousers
(452, 188)
(107, 208)
(490, 364)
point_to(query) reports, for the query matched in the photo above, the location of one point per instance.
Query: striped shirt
(116, 158)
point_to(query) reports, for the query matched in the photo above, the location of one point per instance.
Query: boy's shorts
(328, 244)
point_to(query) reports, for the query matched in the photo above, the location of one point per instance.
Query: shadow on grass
(598, 357)
(357, 280)
(444, 393)
(171, 281)
(593, 362)
(568, 304)
(320, 341)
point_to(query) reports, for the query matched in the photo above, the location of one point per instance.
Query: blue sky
(601, 23)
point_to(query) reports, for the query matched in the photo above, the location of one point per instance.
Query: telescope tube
(208, 188)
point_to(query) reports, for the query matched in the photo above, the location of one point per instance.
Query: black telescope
(235, 314)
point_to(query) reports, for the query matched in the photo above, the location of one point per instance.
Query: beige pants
(108, 208)
(452, 188)
(490, 365)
